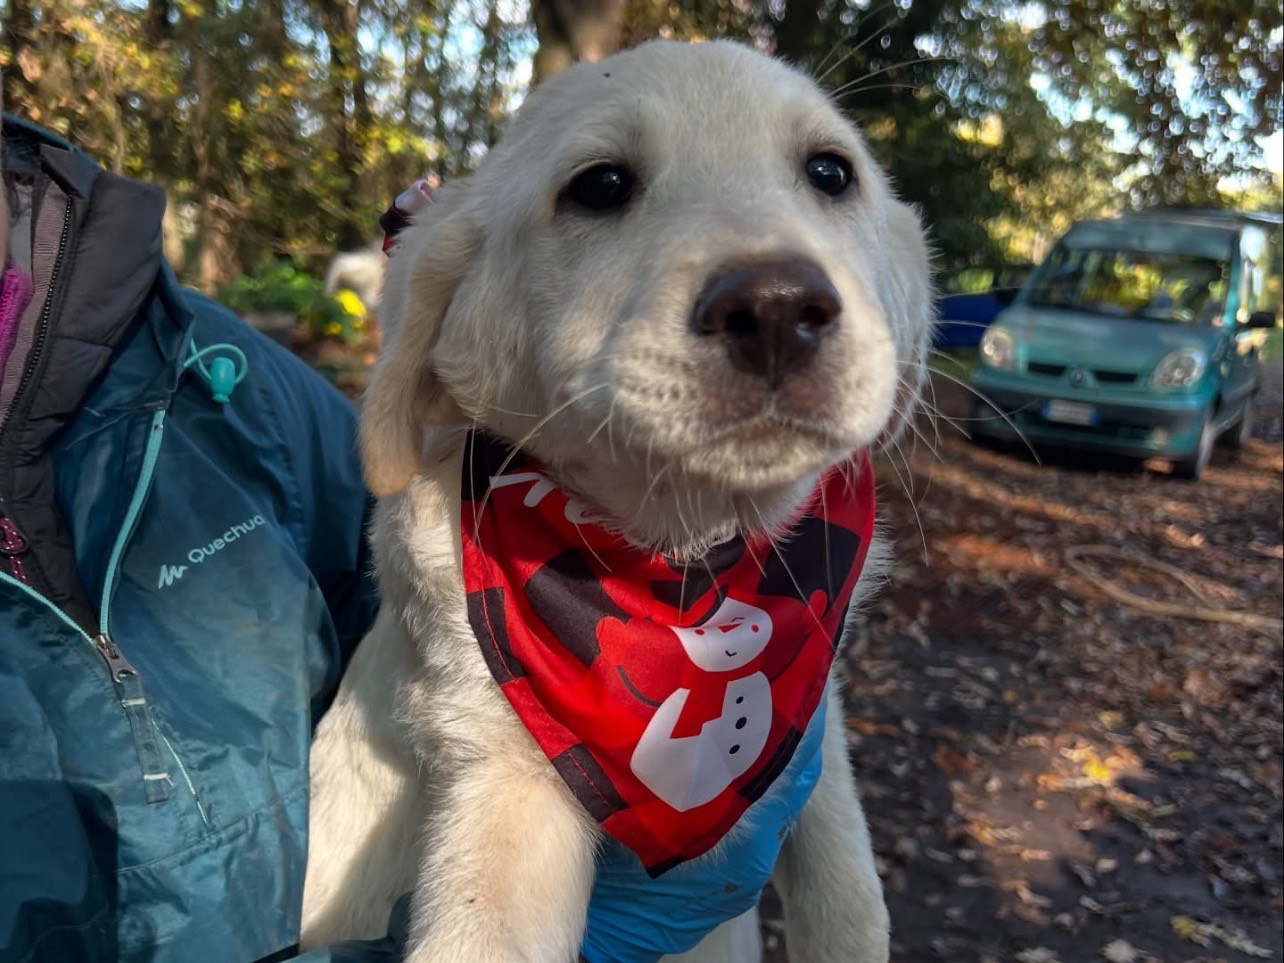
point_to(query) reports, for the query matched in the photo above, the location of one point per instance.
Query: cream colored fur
(569, 332)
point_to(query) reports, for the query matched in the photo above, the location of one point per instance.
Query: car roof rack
(1219, 215)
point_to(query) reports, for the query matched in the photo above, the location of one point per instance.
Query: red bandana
(667, 696)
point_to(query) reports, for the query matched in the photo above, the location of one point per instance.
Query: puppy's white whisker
(610, 428)
(909, 421)
(1008, 420)
(592, 551)
(509, 411)
(517, 448)
(820, 71)
(600, 425)
(788, 571)
(682, 590)
(888, 69)
(908, 411)
(857, 48)
(655, 480)
(850, 470)
(934, 408)
(869, 14)
(937, 416)
(907, 487)
(829, 574)
(848, 93)
(896, 19)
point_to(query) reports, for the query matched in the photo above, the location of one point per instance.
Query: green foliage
(283, 127)
(282, 288)
(1189, 84)
(278, 128)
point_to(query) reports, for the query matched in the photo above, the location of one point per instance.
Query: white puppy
(684, 287)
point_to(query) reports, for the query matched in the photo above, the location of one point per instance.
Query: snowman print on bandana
(687, 771)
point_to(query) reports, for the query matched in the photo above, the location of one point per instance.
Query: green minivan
(1138, 336)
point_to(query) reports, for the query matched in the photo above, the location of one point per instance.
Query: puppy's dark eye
(829, 174)
(602, 188)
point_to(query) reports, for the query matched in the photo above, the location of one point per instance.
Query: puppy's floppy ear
(405, 394)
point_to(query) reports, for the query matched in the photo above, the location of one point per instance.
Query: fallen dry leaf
(1038, 955)
(1120, 951)
(1204, 933)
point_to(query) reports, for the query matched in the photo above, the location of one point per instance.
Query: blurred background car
(1137, 336)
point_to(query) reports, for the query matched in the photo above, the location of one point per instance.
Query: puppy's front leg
(833, 898)
(508, 869)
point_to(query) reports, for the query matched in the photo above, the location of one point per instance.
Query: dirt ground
(1051, 775)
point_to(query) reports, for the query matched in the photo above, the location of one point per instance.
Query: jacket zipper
(13, 547)
(15, 562)
(42, 327)
(157, 781)
(129, 684)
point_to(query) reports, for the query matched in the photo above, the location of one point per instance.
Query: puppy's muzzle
(771, 316)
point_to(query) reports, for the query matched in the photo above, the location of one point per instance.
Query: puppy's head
(680, 280)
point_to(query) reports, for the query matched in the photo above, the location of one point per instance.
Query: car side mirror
(1261, 319)
(1004, 296)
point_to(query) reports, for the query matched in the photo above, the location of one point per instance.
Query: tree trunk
(573, 30)
(216, 261)
(347, 80)
(795, 32)
(158, 33)
(272, 39)
(440, 128)
(480, 120)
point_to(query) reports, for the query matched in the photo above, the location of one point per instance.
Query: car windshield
(1158, 286)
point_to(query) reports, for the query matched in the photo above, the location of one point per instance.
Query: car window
(973, 280)
(978, 280)
(1154, 285)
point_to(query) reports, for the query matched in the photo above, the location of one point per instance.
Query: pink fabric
(14, 296)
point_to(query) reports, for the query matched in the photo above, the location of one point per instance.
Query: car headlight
(1179, 369)
(998, 348)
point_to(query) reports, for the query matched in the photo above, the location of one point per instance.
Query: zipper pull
(12, 547)
(116, 662)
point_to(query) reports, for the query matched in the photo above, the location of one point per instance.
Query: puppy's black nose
(772, 315)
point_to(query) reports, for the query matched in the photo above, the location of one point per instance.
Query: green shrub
(285, 289)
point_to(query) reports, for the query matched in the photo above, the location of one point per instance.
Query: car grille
(1115, 377)
(1103, 377)
(1051, 370)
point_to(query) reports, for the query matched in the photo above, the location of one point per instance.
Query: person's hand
(408, 203)
(417, 196)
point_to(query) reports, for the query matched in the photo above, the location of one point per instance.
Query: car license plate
(1070, 413)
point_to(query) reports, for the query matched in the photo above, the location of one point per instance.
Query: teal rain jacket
(193, 577)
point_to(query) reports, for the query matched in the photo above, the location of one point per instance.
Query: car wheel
(1238, 434)
(1192, 468)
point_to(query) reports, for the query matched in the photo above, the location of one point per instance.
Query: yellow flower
(334, 328)
(351, 303)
